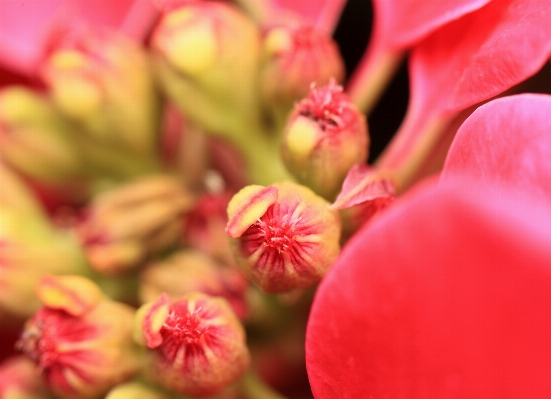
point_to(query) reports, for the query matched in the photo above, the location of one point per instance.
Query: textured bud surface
(290, 245)
(200, 347)
(324, 137)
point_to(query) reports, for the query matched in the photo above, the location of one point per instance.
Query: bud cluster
(165, 211)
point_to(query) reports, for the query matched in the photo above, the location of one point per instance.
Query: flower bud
(293, 58)
(284, 236)
(126, 225)
(206, 57)
(204, 226)
(365, 192)
(80, 341)
(19, 380)
(102, 82)
(196, 343)
(35, 139)
(190, 270)
(324, 137)
(31, 247)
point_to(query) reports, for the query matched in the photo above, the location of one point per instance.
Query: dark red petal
(482, 54)
(444, 296)
(403, 22)
(506, 142)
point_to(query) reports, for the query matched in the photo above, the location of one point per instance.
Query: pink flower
(447, 294)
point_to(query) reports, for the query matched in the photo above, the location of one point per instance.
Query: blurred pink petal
(446, 295)
(468, 61)
(27, 24)
(506, 142)
(398, 25)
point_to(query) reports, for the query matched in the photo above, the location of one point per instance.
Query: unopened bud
(126, 225)
(293, 58)
(190, 270)
(206, 54)
(31, 247)
(101, 81)
(324, 137)
(196, 343)
(365, 192)
(82, 352)
(19, 380)
(284, 236)
(35, 139)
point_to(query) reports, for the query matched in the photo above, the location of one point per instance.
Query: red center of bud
(329, 106)
(275, 236)
(188, 334)
(53, 340)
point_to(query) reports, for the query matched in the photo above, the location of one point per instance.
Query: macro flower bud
(191, 270)
(325, 135)
(365, 192)
(284, 236)
(196, 343)
(80, 341)
(101, 81)
(35, 139)
(204, 226)
(31, 247)
(127, 224)
(19, 380)
(206, 57)
(294, 57)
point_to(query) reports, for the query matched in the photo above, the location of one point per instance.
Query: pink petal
(363, 184)
(482, 54)
(443, 296)
(506, 142)
(401, 23)
(468, 61)
(27, 24)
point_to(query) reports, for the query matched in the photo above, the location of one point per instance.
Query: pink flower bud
(126, 225)
(80, 342)
(204, 226)
(196, 343)
(365, 192)
(19, 380)
(190, 270)
(284, 236)
(293, 58)
(324, 137)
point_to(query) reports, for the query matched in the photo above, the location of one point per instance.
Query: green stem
(255, 388)
(372, 76)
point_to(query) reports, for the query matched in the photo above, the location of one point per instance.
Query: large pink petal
(506, 142)
(465, 62)
(482, 54)
(446, 295)
(25, 25)
(401, 23)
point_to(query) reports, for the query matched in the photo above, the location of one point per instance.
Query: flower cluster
(178, 178)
